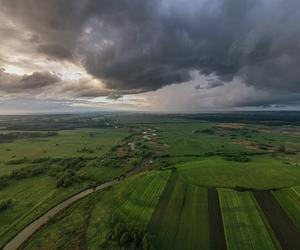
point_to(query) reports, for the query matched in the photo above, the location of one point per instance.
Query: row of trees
(69, 177)
(239, 157)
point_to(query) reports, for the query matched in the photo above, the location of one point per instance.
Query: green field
(207, 137)
(261, 172)
(169, 205)
(131, 203)
(244, 227)
(181, 219)
(289, 199)
(139, 205)
(67, 229)
(65, 144)
(32, 196)
(193, 227)
(167, 230)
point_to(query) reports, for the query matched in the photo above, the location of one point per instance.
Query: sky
(151, 55)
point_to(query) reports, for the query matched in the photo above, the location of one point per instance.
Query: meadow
(31, 194)
(210, 184)
(69, 143)
(103, 218)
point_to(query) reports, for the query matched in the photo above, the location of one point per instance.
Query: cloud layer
(134, 46)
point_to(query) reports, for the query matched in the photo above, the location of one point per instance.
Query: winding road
(30, 229)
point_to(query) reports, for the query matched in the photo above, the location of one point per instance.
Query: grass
(100, 173)
(6, 169)
(289, 200)
(174, 208)
(132, 201)
(67, 229)
(33, 196)
(140, 204)
(166, 234)
(261, 172)
(67, 143)
(180, 139)
(244, 227)
(181, 219)
(88, 222)
(193, 228)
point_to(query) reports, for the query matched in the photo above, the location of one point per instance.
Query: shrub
(5, 204)
(85, 150)
(207, 131)
(40, 160)
(125, 236)
(235, 157)
(27, 172)
(67, 178)
(16, 161)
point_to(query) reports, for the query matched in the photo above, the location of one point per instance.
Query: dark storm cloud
(55, 51)
(12, 83)
(135, 45)
(38, 80)
(275, 100)
(210, 85)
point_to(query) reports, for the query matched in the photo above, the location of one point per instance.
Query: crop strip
(216, 229)
(286, 232)
(193, 229)
(243, 225)
(161, 208)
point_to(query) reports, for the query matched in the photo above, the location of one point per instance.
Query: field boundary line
(284, 228)
(266, 223)
(181, 209)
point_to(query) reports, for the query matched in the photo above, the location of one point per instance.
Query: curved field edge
(93, 223)
(220, 173)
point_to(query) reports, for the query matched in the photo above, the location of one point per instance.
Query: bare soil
(216, 228)
(284, 229)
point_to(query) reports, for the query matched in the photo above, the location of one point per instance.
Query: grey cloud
(210, 85)
(12, 83)
(136, 46)
(48, 85)
(113, 96)
(87, 88)
(38, 80)
(82, 88)
(55, 51)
